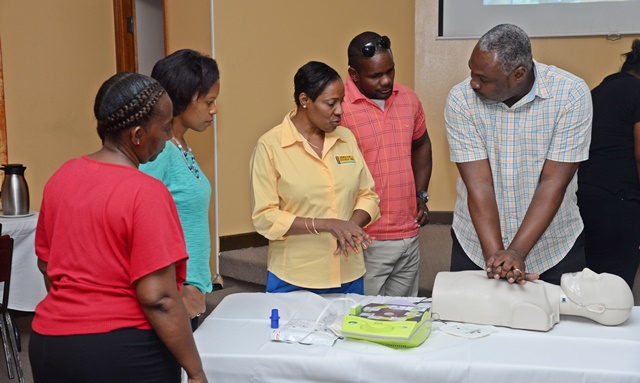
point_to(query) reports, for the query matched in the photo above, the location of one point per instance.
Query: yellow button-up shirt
(288, 179)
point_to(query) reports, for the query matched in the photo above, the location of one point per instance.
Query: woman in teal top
(192, 81)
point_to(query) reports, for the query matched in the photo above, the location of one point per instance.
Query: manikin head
(604, 298)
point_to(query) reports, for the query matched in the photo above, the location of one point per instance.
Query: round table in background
(27, 283)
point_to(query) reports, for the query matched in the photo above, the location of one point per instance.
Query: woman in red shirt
(111, 249)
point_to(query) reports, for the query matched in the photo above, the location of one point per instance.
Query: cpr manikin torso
(469, 296)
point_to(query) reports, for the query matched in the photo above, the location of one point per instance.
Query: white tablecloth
(235, 347)
(27, 284)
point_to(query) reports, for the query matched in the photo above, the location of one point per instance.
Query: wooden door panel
(124, 17)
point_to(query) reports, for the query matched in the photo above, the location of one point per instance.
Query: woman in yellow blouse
(312, 192)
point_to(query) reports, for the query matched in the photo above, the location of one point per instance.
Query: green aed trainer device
(396, 326)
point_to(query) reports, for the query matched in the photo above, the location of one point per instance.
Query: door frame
(124, 16)
(4, 156)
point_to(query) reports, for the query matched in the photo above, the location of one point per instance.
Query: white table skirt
(27, 284)
(235, 347)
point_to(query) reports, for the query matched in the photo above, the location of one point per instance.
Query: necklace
(309, 142)
(191, 162)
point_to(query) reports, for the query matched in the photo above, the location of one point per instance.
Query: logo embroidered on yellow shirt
(345, 160)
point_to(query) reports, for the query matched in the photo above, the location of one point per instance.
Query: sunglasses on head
(369, 49)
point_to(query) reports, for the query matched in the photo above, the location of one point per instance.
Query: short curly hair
(511, 44)
(354, 51)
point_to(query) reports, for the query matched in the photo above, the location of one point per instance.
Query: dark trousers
(195, 323)
(572, 262)
(126, 355)
(612, 234)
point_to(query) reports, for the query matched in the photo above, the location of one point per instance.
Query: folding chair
(15, 330)
(6, 324)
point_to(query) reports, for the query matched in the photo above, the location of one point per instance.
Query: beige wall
(260, 45)
(440, 64)
(188, 25)
(55, 56)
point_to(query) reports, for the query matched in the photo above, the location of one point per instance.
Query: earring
(304, 106)
(138, 143)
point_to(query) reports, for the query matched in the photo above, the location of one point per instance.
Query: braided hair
(632, 62)
(124, 101)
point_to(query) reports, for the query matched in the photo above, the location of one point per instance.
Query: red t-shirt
(102, 227)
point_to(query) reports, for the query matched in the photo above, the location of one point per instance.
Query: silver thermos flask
(15, 192)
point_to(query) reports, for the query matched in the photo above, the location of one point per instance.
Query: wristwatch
(423, 195)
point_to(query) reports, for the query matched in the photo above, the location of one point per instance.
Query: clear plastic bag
(304, 332)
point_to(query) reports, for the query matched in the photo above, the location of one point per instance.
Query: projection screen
(540, 18)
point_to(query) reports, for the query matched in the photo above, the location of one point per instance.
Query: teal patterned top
(191, 192)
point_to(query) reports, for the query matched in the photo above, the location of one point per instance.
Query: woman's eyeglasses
(369, 49)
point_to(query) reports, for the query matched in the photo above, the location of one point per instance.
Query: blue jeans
(277, 285)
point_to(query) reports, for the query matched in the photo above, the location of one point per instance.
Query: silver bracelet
(305, 225)
(313, 223)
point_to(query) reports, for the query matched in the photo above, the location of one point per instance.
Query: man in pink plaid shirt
(389, 124)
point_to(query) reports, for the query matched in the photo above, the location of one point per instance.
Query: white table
(235, 347)
(27, 284)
